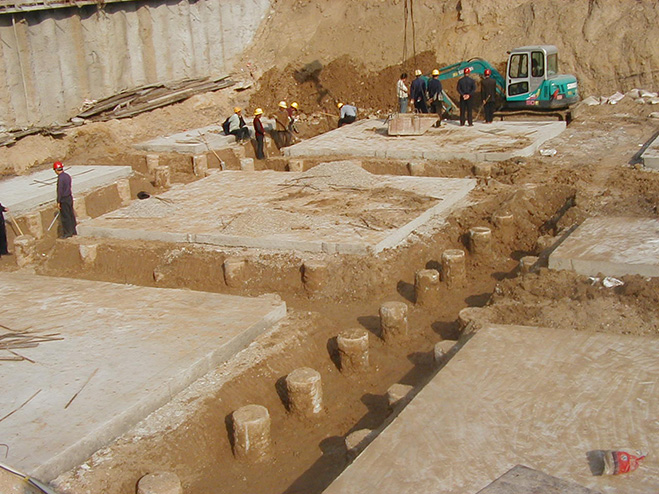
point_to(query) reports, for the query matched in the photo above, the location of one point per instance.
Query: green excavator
(531, 81)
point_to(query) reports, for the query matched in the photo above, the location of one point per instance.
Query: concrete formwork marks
(55, 59)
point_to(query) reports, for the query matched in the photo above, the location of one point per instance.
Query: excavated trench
(307, 455)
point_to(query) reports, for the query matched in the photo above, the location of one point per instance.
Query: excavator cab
(532, 80)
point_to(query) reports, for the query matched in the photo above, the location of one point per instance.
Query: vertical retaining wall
(53, 60)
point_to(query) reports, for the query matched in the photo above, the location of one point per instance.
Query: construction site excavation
(307, 247)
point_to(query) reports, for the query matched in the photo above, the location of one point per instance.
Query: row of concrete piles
(251, 431)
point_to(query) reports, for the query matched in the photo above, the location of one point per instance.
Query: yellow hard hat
(282, 104)
(339, 105)
(417, 72)
(435, 72)
(258, 111)
(295, 105)
(237, 109)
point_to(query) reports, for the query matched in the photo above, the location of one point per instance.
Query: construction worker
(65, 201)
(3, 232)
(467, 89)
(418, 91)
(259, 132)
(293, 110)
(402, 93)
(237, 125)
(435, 97)
(281, 134)
(488, 95)
(348, 113)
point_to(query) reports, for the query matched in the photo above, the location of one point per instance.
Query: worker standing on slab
(402, 92)
(467, 89)
(3, 232)
(348, 114)
(281, 134)
(488, 95)
(435, 96)
(259, 132)
(418, 92)
(237, 125)
(65, 201)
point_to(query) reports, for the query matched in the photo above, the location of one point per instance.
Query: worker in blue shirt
(418, 91)
(467, 89)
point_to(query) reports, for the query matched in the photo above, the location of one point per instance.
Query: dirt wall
(608, 44)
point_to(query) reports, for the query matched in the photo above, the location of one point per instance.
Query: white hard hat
(417, 72)
(282, 104)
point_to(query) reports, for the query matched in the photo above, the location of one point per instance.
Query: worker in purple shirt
(65, 201)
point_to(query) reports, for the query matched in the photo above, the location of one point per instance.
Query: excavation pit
(611, 246)
(498, 141)
(124, 352)
(332, 208)
(515, 395)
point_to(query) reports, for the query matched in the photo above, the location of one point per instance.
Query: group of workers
(426, 94)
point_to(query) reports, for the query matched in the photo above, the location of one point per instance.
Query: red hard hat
(467, 70)
(488, 72)
(58, 165)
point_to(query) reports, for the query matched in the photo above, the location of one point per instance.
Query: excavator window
(537, 64)
(552, 64)
(518, 66)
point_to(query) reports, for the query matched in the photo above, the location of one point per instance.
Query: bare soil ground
(588, 176)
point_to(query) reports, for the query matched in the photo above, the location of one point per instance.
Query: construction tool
(202, 137)
(16, 224)
(53, 222)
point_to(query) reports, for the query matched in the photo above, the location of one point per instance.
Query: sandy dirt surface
(588, 176)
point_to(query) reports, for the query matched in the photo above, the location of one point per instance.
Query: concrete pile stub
(25, 247)
(416, 169)
(247, 164)
(441, 351)
(353, 350)
(123, 189)
(426, 286)
(527, 264)
(483, 170)
(88, 252)
(160, 483)
(357, 441)
(296, 165)
(502, 219)
(393, 320)
(480, 241)
(398, 394)
(152, 162)
(200, 165)
(454, 271)
(234, 271)
(162, 176)
(251, 432)
(305, 392)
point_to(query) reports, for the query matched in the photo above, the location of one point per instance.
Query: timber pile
(12, 340)
(127, 104)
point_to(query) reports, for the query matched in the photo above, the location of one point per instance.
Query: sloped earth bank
(588, 176)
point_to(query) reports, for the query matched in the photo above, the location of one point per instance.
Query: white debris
(652, 101)
(614, 98)
(654, 114)
(647, 94)
(610, 282)
(548, 152)
(591, 101)
(634, 93)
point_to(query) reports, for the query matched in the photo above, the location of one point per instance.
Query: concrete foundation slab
(612, 246)
(524, 480)
(197, 141)
(122, 355)
(517, 395)
(288, 211)
(650, 156)
(31, 192)
(497, 141)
